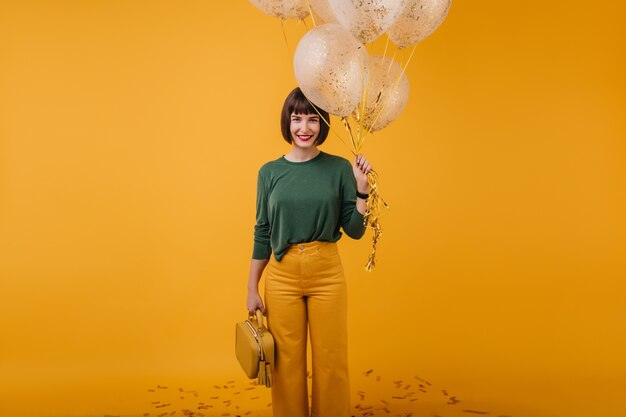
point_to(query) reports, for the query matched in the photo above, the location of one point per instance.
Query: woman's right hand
(254, 301)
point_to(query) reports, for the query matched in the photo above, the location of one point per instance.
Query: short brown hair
(297, 103)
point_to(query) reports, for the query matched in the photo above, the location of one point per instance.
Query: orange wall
(130, 138)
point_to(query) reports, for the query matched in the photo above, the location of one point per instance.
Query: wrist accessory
(361, 195)
(254, 347)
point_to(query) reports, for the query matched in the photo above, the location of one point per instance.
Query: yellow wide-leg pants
(308, 287)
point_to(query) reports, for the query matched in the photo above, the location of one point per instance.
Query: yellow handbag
(254, 347)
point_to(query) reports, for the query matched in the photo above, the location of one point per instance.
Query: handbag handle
(259, 319)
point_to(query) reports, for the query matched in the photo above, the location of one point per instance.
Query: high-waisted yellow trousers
(308, 286)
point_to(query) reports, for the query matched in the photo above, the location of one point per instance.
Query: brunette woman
(304, 198)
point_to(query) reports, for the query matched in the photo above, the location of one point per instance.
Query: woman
(303, 198)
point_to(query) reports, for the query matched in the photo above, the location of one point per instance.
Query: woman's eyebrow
(298, 116)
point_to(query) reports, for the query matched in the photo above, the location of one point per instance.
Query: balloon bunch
(335, 72)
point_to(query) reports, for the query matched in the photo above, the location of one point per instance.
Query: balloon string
(348, 128)
(393, 87)
(391, 62)
(308, 3)
(289, 57)
(341, 139)
(376, 103)
(409, 60)
(364, 90)
(386, 46)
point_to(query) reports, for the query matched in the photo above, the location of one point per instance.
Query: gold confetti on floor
(372, 397)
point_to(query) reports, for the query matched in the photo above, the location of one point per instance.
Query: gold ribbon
(375, 203)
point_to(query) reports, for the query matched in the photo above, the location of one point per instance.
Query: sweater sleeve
(351, 219)
(262, 248)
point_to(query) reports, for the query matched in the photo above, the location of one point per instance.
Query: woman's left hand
(361, 168)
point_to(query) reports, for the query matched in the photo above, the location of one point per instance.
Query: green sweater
(304, 202)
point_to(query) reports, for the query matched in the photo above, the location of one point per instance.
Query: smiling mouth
(305, 137)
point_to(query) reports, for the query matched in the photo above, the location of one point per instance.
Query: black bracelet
(361, 195)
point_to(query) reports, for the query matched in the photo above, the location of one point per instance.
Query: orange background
(130, 138)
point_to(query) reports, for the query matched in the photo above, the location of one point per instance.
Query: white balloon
(418, 20)
(366, 19)
(322, 9)
(387, 93)
(283, 9)
(331, 68)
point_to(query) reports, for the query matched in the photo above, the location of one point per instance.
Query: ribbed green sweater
(303, 202)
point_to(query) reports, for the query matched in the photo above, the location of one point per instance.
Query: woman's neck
(302, 154)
